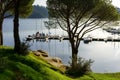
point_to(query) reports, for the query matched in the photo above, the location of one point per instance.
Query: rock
(57, 59)
(44, 54)
(66, 67)
(37, 53)
(41, 51)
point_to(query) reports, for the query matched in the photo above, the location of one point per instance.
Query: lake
(106, 56)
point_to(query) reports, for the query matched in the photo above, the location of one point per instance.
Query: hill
(42, 12)
(39, 12)
(31, 67)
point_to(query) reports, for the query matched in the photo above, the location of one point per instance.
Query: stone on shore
(41, 54)
(57, 59)
(37, 53)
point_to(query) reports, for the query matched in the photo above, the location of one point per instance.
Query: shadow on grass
(6, 51)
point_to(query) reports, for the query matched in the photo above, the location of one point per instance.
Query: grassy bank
(30, 67)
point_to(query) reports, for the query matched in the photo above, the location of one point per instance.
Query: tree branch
(61, 25)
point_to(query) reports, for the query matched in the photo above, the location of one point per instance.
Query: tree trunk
(74, 57)
(16, 27)
(1, 34)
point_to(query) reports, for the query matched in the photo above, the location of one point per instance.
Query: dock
(86, 40)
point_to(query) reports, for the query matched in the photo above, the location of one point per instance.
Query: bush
(83, 67)
(24, 48)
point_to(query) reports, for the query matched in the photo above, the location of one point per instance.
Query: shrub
(24, 48)
(83, 67)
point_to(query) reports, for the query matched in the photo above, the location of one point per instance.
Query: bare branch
(95, 28)
(64, 28)
(79, 17)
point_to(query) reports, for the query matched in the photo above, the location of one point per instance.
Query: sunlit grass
(100, 76)
(28, 67)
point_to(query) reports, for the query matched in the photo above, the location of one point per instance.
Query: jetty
(56, 37)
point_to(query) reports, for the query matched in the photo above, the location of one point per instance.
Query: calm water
(105, 55)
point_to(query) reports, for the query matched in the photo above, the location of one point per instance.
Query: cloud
(40, 2)
(116, 3)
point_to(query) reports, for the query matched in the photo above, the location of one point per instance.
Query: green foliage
(109, 13)
(24, 48)
(82, 9)
(26, 7)
(83, 67)
(76, 16)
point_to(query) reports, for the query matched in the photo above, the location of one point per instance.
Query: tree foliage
(25, 10)
(17, 10)
(5, 5)
(78, 17)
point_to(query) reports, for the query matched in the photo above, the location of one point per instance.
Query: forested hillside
(42, 12)
(39, 12)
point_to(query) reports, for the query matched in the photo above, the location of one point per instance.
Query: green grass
(27, 67)
(31, 67)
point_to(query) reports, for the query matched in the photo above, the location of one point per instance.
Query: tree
(25, 9)
(17, 9)
(16, 26)
(78, 17)
(5, 5)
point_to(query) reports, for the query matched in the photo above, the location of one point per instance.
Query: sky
(43, 2)
(116, 3)
(40, 2)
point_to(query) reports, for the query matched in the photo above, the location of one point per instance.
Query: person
(37, 34)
